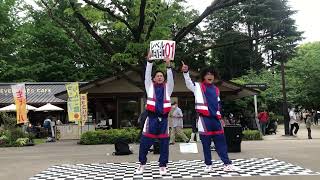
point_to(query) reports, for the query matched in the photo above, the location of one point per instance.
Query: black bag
(122, 148)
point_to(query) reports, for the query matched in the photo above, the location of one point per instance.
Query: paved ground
(23, 163)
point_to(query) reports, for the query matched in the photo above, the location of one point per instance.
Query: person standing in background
(263, 120)
(293, 122)
(177, 124)
(309, 124)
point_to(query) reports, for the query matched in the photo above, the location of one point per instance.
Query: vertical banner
(20, 99)
(162, 48)
(84, 108)
(73, 102)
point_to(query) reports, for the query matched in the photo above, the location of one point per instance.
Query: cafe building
(38, 94)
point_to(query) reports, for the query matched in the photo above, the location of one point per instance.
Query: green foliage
(12, 135)
(275, 117)
(22, 141)
(17, 133)
(39, 141)
(109, 136)
(4, 139)
(302, 82)
(249, 135)
(187, 132)
(271, 98)
(52, 43)
(9, 122)
(233, 61)
(303, 76)
(253, 19)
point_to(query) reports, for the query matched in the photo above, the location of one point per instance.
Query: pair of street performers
(208, 107)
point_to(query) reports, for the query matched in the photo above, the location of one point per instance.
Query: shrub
(187, 132)
(251, 135)
(9, 137)
(9, 122)
(22, 141)
(4, 140)
(17, 133)
(109, 136)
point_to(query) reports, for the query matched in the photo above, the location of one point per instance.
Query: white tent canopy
(12, 107)
(49, 107)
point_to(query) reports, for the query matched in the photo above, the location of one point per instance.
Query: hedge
(109, 136)
(249, 135)
(130, 135)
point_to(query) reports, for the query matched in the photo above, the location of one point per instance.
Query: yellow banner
(84, 108)
(20, 99)
(73, 101)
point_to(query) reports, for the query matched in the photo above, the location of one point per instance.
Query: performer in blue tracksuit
(207, 103)
(158, 107)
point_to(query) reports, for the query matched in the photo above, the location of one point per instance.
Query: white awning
(49, 107)
(12, 107)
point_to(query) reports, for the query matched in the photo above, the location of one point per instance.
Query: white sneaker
(163, 170)
(230, 168)
(140, 169)
(208, 168)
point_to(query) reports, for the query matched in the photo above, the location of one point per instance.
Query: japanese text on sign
(162, 48)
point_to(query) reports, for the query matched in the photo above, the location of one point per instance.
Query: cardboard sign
(162, 48)
(188, 148)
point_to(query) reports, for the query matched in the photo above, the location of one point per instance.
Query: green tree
(7, 28)
(303, 76)
(123, 29)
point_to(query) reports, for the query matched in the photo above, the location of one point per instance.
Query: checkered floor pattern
(177, 169)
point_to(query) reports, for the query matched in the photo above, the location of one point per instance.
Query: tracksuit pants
(220, 146)
(155, 128)
(210, 129)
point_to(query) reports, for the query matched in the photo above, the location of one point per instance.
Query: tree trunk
(285, 103)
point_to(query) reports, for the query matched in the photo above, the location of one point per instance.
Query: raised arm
(219, 103)
(148, 76)
(170, 81)
(189, 83)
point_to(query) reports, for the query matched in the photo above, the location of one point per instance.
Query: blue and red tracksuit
(156, 127)
(213, 128)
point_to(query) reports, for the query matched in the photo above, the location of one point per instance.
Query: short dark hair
(210, 70)
(158, 71)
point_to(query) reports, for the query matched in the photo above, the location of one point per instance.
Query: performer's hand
(168, 62)
(149, 56)
(185, 67)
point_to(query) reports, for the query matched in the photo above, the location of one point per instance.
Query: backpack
(122, 148)
(47, 124)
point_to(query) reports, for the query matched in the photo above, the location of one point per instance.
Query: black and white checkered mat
(176, 169)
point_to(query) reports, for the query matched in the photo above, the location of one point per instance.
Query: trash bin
(233, 134)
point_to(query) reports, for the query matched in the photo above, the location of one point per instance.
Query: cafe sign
(8, 91)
